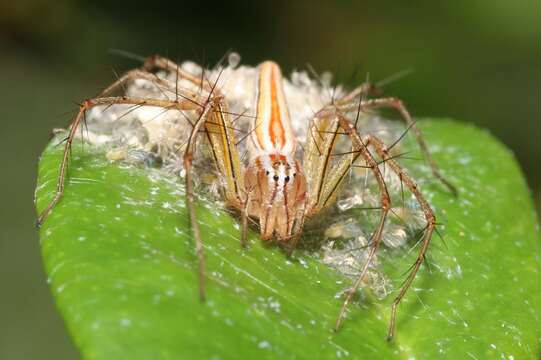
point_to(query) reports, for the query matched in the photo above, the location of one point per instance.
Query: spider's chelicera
(280, 186)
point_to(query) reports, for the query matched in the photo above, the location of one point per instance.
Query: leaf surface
(121, 266)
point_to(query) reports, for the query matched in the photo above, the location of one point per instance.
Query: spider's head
(276, 189)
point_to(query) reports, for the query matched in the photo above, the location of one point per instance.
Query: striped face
(276, 190)
(272, 128)
(274, 181)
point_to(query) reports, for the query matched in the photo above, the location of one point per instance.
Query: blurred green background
(476, 61)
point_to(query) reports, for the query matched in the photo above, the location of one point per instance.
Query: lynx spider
(273, 187)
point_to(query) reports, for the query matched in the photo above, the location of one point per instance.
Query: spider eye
(275, 177)
(267, 172)
(294, 174)
(286, 179)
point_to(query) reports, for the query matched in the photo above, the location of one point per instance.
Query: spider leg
(366, 88)
(188, 161)
(215, 121)
(397, 104)
(370, 88)
(382, 151)
(326, 178)
(324, 132)
(159, 62)
(244, 222)
(88, 104)
(361, 148)
(221, 136)
(162, 84)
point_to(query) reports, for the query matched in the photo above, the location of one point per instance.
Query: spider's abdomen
(272, 127)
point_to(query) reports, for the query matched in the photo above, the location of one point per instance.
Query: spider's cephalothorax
(275, 188)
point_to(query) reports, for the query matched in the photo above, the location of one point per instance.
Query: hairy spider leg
(324, 192)
(347, 104)
(382, 151)
(88, 104)
(430, 217)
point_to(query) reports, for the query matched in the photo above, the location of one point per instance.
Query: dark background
(476, 61)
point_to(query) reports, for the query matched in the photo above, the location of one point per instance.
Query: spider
(274, 187)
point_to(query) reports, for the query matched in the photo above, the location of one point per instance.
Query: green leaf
(121, 265)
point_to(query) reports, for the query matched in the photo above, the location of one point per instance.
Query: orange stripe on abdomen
(272, 128)
(276, 129)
